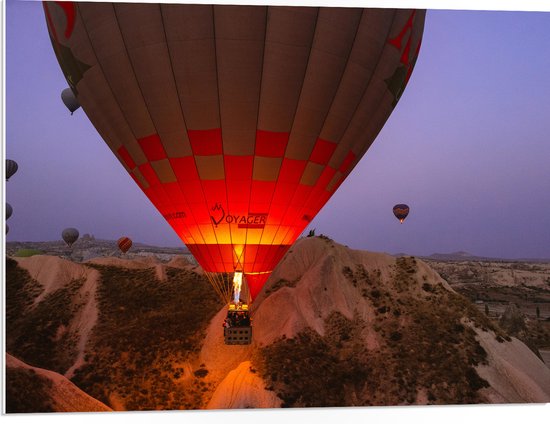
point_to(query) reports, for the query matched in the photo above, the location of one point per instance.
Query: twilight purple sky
(467, 147)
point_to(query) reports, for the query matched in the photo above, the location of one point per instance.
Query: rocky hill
(332, 327)
(88, 247)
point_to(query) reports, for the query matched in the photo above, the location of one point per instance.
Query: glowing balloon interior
(237, 122)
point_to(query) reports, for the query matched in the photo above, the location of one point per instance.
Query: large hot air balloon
(401, 211)
(70, 235)
(9, 211)
(11, 168)
(238, 122)
(69, 100)
(124, 244)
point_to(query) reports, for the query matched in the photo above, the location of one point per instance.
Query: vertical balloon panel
(238, 134)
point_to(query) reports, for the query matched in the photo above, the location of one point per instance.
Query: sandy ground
(86, 323)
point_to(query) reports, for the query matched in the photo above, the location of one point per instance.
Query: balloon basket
(237, 326)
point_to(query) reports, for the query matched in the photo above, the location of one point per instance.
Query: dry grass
(21, 291)
(424, 346)
(146, 331)
(279, 285)
(37, 334)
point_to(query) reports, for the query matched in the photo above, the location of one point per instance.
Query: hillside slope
(32, 389)
(332, 327)
(338, 327)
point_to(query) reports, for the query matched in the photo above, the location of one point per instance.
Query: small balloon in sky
(124, 244)
(70, 235)
(70, 100)
(11, 168)
(9, 211)
(401, 211)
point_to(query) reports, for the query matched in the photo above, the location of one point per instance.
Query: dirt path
(88, 319)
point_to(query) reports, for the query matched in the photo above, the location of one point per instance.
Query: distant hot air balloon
(237, 133)
(401, 211)
(70, 235)
(9, 211)
(124, 244)
(70, 100)
(11, 168)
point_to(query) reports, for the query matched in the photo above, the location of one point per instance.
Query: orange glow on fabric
(238, 134)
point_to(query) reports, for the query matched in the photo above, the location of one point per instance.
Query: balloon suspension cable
(223, 284)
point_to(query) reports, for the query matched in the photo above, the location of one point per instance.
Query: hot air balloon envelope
(124, 244)
(401, 211)
(238, 122)
(70, 100)
(9, 211)
(11, 168)
(70, 235)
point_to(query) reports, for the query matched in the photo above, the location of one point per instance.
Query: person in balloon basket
(226, 324)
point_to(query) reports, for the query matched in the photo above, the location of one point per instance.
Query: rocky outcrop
(243, 388)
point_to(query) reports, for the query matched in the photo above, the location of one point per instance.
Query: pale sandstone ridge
(514, 372)
(145, 262)
(243, 388)
(86, 319)
(317, 288)
(64, 395)
(315, 267)
(138, 263)
(53, 273)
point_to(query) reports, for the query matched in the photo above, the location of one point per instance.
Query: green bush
(25, 253)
